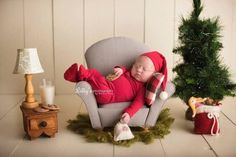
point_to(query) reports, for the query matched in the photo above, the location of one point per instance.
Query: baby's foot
(71, 74)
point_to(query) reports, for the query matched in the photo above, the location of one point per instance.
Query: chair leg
(99, 129)
(146, 129)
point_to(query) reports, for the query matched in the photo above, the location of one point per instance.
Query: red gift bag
(206, 120)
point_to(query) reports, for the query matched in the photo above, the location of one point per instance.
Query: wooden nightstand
(38, 123)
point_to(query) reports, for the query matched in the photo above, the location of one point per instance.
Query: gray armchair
(104, 55)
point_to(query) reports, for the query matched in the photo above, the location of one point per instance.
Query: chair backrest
(105, 54)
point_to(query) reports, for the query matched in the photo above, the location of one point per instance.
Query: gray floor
(181, 142)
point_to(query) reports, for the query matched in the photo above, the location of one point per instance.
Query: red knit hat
(159, 62)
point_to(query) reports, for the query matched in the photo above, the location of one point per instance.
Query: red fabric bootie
(71, 74)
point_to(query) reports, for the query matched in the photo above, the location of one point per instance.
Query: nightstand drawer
(42, 123)
(38, 123)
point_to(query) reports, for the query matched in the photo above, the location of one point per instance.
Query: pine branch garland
(82, 126)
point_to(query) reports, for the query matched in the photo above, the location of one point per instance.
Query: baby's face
(142, 69)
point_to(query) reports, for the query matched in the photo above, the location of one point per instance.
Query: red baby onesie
(124, 88)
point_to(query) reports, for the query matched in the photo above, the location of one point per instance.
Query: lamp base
(30, 105)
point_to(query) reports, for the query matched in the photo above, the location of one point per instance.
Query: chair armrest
(156, 107)
(84, 90)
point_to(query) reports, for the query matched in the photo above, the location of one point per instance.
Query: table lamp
(27, 62)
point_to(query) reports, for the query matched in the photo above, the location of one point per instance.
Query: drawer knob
(42, 124)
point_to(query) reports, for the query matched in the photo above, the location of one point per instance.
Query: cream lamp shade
(27, 62)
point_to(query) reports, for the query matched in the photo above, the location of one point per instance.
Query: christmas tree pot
(188, 114)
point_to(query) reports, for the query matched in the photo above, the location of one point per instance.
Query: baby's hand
(117, 72)
(125, 118)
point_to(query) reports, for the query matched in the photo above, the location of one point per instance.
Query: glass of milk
(47, 92)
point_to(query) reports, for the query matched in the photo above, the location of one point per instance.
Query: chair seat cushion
(115, 105)
(110, 113)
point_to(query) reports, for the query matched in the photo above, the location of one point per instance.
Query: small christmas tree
(201, 73)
